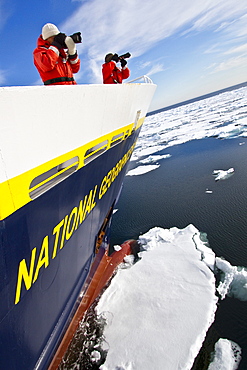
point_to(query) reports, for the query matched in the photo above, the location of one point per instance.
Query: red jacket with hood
(55, 66)
(112, 74)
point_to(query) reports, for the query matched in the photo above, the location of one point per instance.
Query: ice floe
(223, 174)
(234, 280)
(227, 355)
(155, 158)
(163, 305)
(140, 170)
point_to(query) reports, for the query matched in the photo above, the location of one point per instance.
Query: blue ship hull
(46, 250)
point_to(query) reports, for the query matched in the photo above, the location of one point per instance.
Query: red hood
(41, 42)
(46, 44)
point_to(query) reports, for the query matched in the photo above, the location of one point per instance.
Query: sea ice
(155, 158)
(234, 280)
(227, 355)
(140, 170)
(163, 305)
(223, 175)
(219, 116)
(95, 356)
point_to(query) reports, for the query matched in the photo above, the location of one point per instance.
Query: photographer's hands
(123, 62)
(59, 41)
(121, 59)
(62, 41)
(70, 45)
(115, 58)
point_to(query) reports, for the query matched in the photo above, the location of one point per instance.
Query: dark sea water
(175, 195)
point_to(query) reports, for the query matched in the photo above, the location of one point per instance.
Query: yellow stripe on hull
(17, 191)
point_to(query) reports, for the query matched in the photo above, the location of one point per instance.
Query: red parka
(55, 66)
(112, 74)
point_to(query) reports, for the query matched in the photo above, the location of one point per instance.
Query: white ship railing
(146, 79)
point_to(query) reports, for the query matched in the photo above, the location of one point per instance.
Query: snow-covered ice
(223, 174)
(162, 306)
(234, 280)
(227, 355)
(158, 310)
(140, 170)
(154, 158)
(222, 116)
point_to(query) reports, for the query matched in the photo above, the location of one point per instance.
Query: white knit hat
(49, 30)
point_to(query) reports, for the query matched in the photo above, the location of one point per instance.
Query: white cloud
(230, 63)
(221, 49)
(155, 69)
(151, 67)
(96, 70)
(224, 25)
(216, 48)
(143, 65)
(236, 28)
(219, 13)
(137, 26)
(237, 49)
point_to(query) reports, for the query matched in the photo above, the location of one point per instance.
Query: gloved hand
(70, 45)
(76, 37)
(123, 62)
(59, 41)
(115, 58)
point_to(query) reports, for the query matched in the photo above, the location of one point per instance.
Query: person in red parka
(111, 73)
(54, 63)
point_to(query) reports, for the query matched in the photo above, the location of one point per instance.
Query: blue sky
(187, 47)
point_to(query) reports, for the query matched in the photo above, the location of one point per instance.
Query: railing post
(145, 78)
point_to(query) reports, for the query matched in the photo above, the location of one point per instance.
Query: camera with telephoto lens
(125, 56)
(76, 37)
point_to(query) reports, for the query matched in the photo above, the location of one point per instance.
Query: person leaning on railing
(111, 73)
(55, 56)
